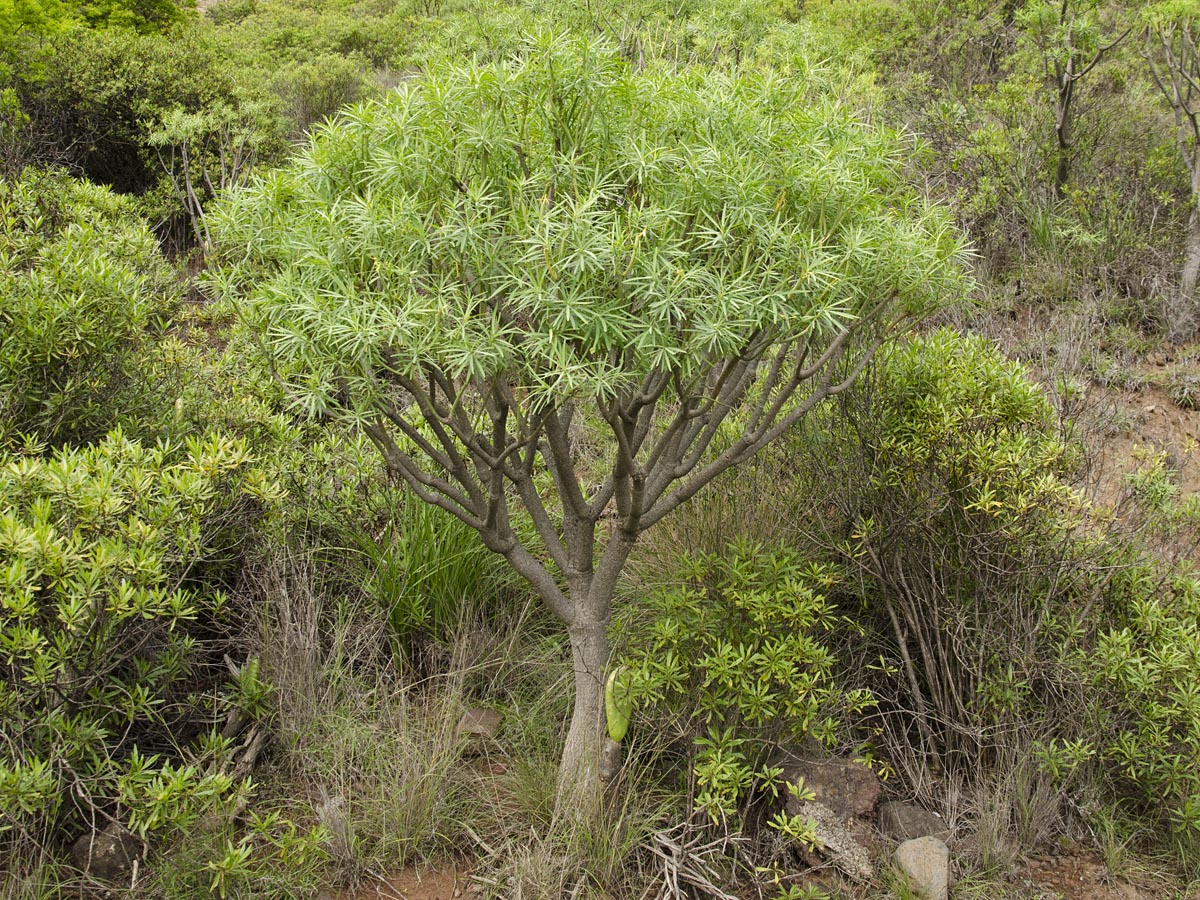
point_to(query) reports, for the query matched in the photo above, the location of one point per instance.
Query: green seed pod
(618, 703)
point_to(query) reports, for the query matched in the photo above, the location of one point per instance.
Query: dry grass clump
(368, 745)
(371, 750)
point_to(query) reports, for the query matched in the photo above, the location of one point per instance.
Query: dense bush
(1145, 671)
(97, 91)
(730, 662)
(958, 530)
(170, 118)
(82, 289)
(1004, 620)
(111, 616)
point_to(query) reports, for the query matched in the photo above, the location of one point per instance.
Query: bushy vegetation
(114, 619)
(604, 282)
(732, 660)
(84, 291)
(961, 534)
(1014, 622)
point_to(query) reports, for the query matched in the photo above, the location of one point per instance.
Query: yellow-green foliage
(81, 285)
(731, 660)
(109, 567)
(960, 422)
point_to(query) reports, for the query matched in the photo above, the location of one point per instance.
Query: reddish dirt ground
(1082, 875)
(417, 884)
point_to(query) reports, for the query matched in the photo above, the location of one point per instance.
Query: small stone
(108, 855)
(905, 821)
(479, 723)
(925, 861)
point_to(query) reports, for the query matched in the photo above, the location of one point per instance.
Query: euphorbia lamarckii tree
(494, 259)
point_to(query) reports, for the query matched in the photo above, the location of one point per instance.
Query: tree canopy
(574, 225)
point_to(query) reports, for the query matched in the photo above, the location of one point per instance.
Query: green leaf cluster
(82, 289)
(575, 224)
(1146, 673)
(731, 660)
(962, 431)
(110, 567)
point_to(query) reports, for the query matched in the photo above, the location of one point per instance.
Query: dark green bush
(958, 529)
(1005, 619)
(314, 89)
(111, 103)
(99, 90)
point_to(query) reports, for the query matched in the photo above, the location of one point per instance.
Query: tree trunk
(1062, 131)
(1181, 324)
(578, 775)
(1062, 172)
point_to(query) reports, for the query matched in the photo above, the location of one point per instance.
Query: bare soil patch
(443, 883)
(1082, 875)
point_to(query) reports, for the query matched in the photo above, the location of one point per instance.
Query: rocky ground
(870, 847)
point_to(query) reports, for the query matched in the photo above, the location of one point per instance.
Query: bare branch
(428, 487)
(749, 444)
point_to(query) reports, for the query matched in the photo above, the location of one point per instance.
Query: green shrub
(961, 534)
(1145, 670)
(100, 95)
(958, 531)
(82, 285)
(730, 662)
(110, 610)
(272, 858)
(314, 89)
(1006, 620)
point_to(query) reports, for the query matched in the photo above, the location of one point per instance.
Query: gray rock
(838, 844)
(925, 861)
(108, 855)
(846, 787)
(482, 724)
(905, 821)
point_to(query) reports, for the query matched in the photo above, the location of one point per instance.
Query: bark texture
(579, 785)
(1182, 320)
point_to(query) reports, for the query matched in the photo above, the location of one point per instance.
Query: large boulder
(848, 788)
(925, 861)
(108, 855)
(905, 821)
